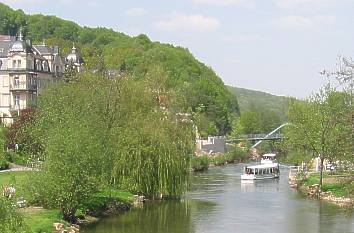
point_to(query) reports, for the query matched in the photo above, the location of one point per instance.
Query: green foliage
(99, 201)
(250, 100)
(337, 189)
(311, 180)
(250, 122)
(297, 158)
(4, 164)
(237, 154)
(140, 146)
(341, 187)
(318, 125)
(138, 57)
(3, 161)
(10, 220)
(41, 220)
(218, 160)
(200, 163)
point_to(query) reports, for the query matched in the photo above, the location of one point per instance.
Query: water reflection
(219, 202)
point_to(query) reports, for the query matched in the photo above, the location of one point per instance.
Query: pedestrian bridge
(256, 137)
(259, 138)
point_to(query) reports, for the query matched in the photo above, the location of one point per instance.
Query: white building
(25, 70)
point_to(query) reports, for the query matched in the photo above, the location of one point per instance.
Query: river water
(218, 202)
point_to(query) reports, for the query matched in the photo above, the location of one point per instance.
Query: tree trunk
(321, 172)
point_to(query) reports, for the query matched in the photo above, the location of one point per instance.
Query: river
(218, 202)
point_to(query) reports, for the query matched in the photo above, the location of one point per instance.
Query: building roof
(42, 49)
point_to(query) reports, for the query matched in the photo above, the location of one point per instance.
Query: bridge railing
(257, 136)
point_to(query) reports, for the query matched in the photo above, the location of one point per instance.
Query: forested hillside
(249, 100)
(108, 51)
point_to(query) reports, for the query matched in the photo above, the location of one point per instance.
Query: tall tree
(316, 125)
(103, 131)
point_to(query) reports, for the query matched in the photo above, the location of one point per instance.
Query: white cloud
(136, 11)
(242, 3)
(183, 22)
(307, 4)
(243, 38)
(302, 22)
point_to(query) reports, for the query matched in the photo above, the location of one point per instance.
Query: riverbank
(203, 162)
(39, 219)
(337, 188)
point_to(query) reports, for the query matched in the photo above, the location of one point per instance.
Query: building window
(17, 100)
(16, 81)
(39, 65)
(14, 64)
(5, 100)
(45, 66)
(19, 63)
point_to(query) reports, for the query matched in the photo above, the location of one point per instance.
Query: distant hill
(250, 99)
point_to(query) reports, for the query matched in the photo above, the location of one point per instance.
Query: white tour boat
(261, 172)
(268, 159)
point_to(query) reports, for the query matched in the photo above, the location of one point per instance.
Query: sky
(275, 46)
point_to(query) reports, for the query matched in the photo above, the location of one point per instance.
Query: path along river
(218, 202)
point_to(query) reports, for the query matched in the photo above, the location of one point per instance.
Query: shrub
(3, 163)
(200, 163)
(238, 154)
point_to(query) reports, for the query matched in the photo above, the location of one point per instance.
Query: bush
(237, 154)
(219, 160)
(99, 201)
(200, 163)
(16, 157)
(311, 180)
(3, 163)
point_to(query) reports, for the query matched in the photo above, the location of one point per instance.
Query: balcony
(20, 70)
(18, 107)
(23, 86)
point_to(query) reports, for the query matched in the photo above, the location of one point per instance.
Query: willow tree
(99, 132)
(316, 125)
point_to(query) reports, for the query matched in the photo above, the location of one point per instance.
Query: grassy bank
(340, 185)
(38, 219)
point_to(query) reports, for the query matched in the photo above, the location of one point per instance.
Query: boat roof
(271, 165)
(269, 155)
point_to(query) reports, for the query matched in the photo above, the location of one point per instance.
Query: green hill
(108, 51)
(249, 100)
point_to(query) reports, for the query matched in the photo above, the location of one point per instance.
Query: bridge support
(268, 135)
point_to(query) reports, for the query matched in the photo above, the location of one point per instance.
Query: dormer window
(19, 63)
(13, 63)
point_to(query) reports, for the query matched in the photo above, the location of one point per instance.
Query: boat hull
(259, 177)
